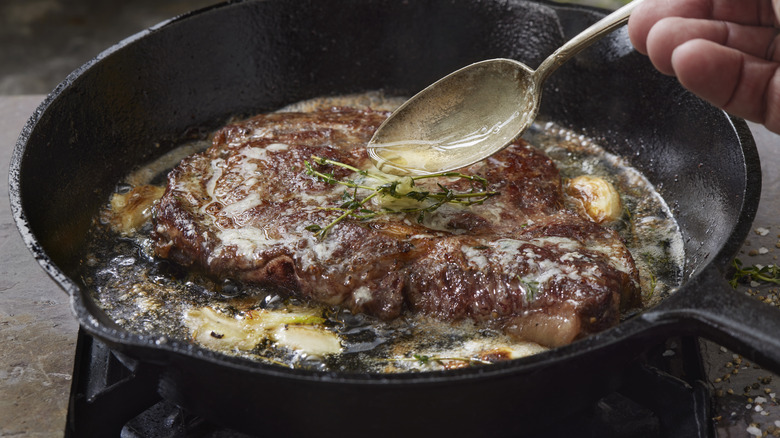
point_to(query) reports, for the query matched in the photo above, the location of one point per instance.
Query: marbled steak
(521, 261)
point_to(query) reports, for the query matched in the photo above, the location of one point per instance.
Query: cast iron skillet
(188, 75)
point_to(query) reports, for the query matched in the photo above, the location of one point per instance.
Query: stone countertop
(38, 331)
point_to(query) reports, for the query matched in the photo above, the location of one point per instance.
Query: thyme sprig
(767, 274)
(423, 359)
(356, 207)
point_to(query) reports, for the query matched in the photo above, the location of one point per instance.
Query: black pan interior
(186, 77)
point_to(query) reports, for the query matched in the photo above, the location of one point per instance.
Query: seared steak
(520, 261)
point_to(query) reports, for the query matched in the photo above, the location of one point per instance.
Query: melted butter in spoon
(440, 130)
(474, 112)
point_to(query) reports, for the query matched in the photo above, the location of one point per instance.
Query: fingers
(723, 50)
(745, 12)
(646, 15)
(669, 33)
(743, 85)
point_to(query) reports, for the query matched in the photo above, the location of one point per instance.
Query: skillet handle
(711, 308)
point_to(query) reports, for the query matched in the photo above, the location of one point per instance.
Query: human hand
(725, 51)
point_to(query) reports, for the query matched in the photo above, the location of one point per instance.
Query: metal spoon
(474, 112)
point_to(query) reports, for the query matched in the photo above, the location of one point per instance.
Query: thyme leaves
(423, 359)
(360, 207)
(766, 274)
(531, 288)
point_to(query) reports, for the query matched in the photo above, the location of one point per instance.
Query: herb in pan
(399, 188)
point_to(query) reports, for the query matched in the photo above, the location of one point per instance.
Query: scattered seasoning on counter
(754, 430)
(744, 395)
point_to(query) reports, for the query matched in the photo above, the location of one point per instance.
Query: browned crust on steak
(521, 261)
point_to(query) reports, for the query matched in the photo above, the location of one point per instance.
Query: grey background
(41, 41)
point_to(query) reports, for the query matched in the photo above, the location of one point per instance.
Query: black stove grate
(664, 396)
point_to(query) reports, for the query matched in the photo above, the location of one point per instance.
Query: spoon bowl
(473, 112)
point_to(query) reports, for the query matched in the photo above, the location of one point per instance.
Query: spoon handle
(584, 39)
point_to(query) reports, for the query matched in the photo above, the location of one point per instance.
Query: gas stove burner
(664, 396)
